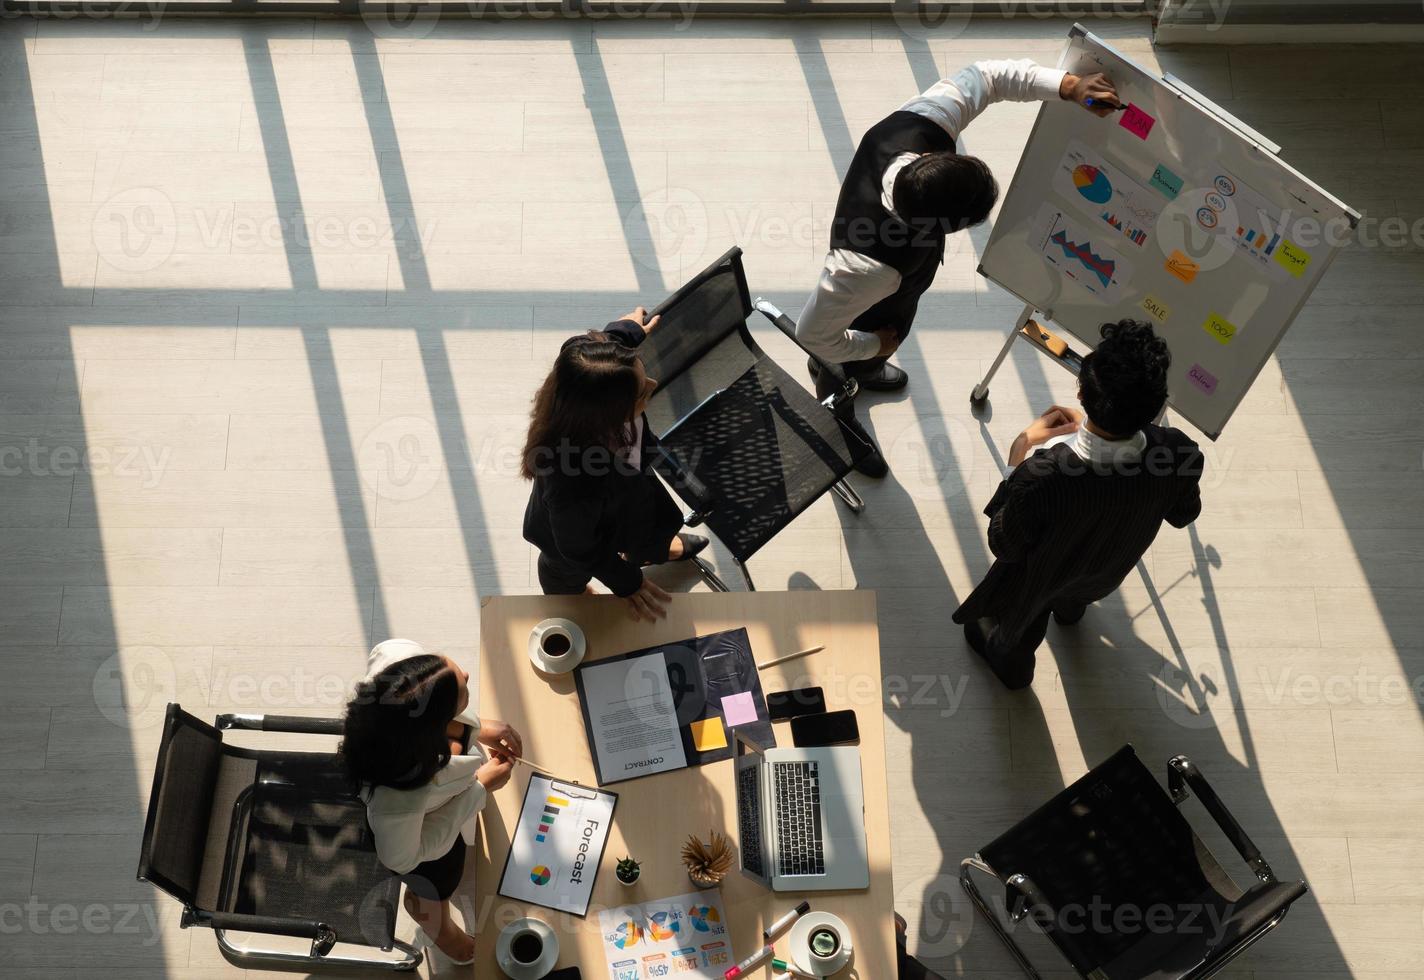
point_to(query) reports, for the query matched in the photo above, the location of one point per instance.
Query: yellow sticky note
(1292, 257)
(708, 734)
(1156, 308)
(1220, 328)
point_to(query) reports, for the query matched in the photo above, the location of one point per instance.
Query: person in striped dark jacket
(1087, 493)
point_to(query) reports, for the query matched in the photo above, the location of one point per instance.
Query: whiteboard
(1173, 212)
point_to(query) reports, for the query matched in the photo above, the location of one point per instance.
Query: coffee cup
(526, 947)
(556, 642)
(556, 646)
(825, 945)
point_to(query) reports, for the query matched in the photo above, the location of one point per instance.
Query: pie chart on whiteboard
(1092, 183)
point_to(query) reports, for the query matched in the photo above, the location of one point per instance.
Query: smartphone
(785, 705)
(831, 728)
(567, 973)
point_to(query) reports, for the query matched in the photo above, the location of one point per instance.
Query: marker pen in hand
(750, 963)
(1092, 103)
(784, 923)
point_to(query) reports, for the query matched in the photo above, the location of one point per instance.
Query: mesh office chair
(269, 844)
(742, 443)
(1113, 874)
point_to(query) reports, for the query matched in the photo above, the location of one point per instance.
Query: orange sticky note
(1182, 267)
(708, 734)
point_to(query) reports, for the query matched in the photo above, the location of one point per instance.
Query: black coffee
(824, 942)
(527, 947)
(556, 644)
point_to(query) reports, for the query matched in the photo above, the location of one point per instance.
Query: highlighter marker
(788, 969)
(784, 923)
(750, 963)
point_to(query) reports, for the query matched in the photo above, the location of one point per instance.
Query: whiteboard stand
(1071, 360)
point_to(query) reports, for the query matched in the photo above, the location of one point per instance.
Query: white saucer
(578, 646)
(526, 971)
(799, 942)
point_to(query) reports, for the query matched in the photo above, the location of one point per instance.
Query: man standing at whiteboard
(905, 190)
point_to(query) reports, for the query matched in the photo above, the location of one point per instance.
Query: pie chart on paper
(1092, 183)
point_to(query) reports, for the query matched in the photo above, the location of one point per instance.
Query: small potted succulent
(627, 871)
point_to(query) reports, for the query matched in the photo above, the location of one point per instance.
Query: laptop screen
(747, 768)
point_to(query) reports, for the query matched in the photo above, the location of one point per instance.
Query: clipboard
(557, 845)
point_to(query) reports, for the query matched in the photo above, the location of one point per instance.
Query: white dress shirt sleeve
(953, 102)
(850, 284)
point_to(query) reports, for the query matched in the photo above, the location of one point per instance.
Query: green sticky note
(1166, 182)
(1292, 257)
(1220, 328)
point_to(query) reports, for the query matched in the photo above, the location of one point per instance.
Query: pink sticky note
(1137, 122)
(739, 709)
(1202, 378)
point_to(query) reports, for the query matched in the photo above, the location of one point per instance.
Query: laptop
(801, 817)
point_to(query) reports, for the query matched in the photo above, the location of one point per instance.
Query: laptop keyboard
(797, 788)
(750, 815)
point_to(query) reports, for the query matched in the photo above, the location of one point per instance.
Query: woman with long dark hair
(418, 753)
(596, 509)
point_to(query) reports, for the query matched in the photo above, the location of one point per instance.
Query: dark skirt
(437, 880)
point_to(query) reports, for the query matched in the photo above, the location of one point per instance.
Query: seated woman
(596, 509)
(414, 747)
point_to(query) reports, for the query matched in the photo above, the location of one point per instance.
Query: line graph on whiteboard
(1077, 252)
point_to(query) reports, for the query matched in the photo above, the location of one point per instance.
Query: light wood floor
(287, 287)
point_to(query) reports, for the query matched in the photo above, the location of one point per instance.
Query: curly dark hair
(945, 188)
(1123, 383)
(396, 721)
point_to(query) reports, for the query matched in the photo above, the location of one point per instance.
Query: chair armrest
(1183, 779)
(295, 724)
(784, 323)
(323, 937)
(1023, 899)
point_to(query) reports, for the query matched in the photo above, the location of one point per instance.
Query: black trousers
(1014, 649)
(827, 386)
(556, 578)
(909, 968)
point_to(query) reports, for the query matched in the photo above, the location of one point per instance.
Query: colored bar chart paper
(684, 936)
(557, 845)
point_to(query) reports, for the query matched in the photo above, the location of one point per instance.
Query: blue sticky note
(1168, 183)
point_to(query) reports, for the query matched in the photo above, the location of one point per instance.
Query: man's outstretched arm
(955, 101)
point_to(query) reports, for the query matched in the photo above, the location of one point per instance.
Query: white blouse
(416, 825)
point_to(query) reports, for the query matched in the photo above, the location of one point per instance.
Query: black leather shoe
(1014, 676)
(1069, 615)
(873, 466)
(692, 546)
(888, 378)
